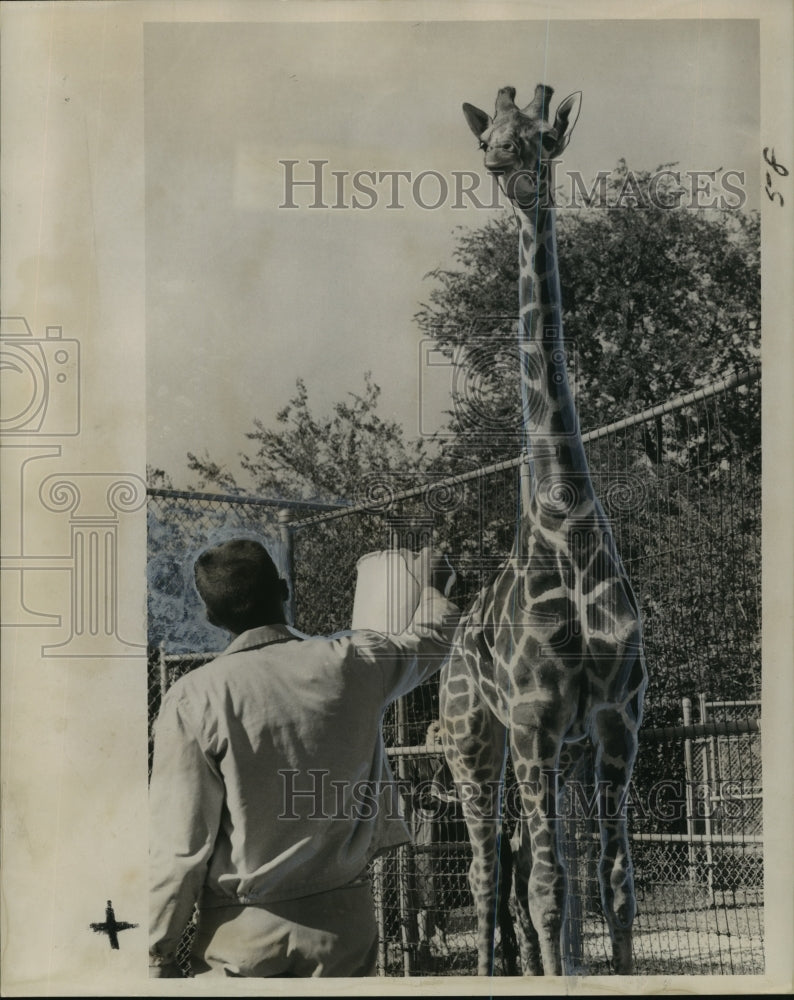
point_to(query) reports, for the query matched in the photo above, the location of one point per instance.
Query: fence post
(686, 712)
(287, 539)
(525, 480)
(398, 530)
(572, 926)
(708, 829)
(378, 893)
(162, 670)
(404, 873)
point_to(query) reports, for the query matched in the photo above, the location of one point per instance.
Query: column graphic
(93, 502)
(40, 406)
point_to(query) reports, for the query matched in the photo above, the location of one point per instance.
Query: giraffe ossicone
(550, 656)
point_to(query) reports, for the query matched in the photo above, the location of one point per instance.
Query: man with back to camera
(271, 791)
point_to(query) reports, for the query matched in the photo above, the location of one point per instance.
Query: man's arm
(185, 801)
(421, 650)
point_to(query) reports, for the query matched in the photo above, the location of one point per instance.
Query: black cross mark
(111, 926)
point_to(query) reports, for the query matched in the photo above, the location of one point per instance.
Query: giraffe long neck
(551, 425)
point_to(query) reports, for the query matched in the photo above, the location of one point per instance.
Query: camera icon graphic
(40, 380)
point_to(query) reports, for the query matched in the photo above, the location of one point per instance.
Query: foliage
(328, 458)
(351, 455)
(656, 301)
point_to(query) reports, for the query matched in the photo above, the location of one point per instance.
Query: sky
(244, 296)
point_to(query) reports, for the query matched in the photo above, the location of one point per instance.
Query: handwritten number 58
(780, 170)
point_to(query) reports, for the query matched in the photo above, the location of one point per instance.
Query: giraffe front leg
(474, 747)
(616, 748)
(483, 880)
(522, 865)
(536, 760)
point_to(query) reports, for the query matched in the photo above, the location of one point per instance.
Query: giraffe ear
(566, 117)
(478, 120)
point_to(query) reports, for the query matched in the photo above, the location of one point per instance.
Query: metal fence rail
(681, 484)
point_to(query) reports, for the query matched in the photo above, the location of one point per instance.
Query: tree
(656, 301)
(351, 456)
(332, 459)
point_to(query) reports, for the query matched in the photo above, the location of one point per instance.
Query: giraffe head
(520, 144)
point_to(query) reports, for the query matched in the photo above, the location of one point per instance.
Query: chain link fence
(681, 484)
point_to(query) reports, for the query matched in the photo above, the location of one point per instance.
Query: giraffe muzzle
(522, 187)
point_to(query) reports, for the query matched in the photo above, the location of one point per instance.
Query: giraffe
(549, 657)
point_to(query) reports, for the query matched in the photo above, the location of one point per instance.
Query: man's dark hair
(240, 585)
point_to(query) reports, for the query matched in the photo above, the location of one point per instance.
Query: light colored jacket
(270, 778)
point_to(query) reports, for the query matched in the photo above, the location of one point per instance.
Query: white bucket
(387, 591)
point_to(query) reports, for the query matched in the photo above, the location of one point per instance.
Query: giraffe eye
(483, 145)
